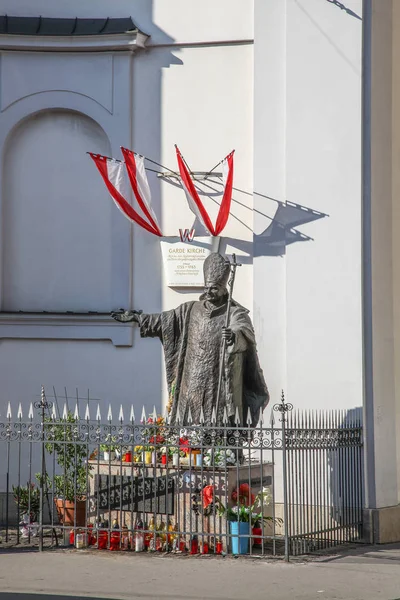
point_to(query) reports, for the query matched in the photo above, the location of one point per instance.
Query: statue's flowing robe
(192, 340)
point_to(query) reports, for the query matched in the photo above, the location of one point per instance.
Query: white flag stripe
(118, 177)
(143, 186)
(193, 207)
(116, 174)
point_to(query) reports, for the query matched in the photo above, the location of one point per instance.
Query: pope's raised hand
(126, 316)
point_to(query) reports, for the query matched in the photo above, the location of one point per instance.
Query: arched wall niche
(64, 248)
(56, 218)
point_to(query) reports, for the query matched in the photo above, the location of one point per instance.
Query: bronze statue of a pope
(193, 335)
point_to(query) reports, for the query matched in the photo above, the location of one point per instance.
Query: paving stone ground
(351, 573)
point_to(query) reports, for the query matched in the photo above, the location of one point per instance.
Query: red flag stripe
(225, 207)
(131, 168)
(188, 183)
(126, 208)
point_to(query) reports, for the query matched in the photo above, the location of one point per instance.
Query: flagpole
(183, 158)
(217, 165)
(104, 156)
(160, 165)
(211, 170)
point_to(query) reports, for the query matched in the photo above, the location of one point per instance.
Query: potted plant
(110, 449)
(27, 498)
(173, 452)
(138, 454)
(244, 515)
(257, 530)
(149, 455)
(71, 486)
(239, 518)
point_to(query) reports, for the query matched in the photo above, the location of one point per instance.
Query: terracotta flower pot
(66, 511)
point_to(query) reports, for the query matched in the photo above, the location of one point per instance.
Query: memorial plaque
(136, 494)
(183, 261)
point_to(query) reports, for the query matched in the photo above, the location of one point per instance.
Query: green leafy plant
(28, 499)
(249, 513)
(71, 455)
(110, 444)
(147, 448)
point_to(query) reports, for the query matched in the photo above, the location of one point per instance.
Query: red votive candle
(218, 547)
(163, 459)
(103, 539)
(90, 537)
(257, 531)
(194, 546)
(114, 540)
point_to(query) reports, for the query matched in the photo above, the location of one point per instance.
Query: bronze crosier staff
(231, 282)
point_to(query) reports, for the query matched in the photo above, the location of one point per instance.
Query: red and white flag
(193, 198)
(114, 176)
(140, 185)
(195, 204)
(225, 208)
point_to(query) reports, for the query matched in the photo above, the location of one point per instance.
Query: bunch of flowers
(182, 441)
(154, 431)
(194, 437)
(242, 495)
(219, 457)
(253, 512)
(187, 439)
(184, 445)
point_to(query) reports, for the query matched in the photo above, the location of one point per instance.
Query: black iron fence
(324, 456)
(291, 487)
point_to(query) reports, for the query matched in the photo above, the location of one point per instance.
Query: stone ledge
(65, 326)
(382, 525)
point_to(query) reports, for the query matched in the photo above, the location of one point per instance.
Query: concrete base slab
(382, 525)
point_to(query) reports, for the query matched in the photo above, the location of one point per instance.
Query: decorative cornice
(130, 41)
(65, 326)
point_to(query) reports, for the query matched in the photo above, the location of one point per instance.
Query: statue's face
(214, 292)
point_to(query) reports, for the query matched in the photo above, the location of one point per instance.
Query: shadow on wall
(346, 470)
(273, 240)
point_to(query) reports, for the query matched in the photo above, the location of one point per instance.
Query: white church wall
(315, 149)
(323, 171)
(199, 97)
(269, 179)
